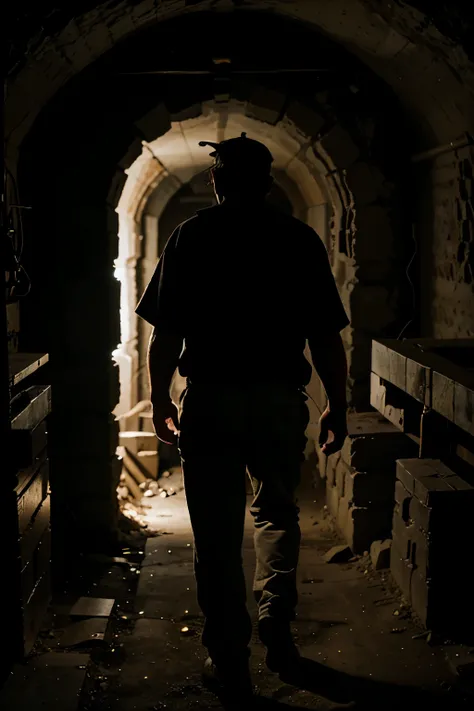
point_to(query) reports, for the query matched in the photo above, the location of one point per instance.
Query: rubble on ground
(338, 554)
(380, 554)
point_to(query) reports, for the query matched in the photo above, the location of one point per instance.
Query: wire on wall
(18, 283)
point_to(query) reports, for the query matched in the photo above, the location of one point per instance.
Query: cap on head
(235, 153)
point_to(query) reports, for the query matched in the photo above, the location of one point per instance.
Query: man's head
(241, 169)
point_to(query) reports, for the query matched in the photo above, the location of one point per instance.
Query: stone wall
(360, 480)
(446, 234)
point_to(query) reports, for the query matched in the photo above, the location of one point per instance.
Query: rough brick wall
(448, 307)
(360, 480)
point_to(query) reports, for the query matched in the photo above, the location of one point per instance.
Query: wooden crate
(33, 552)
(431, 534)
(35, 559)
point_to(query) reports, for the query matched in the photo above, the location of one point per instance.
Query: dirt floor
(359, 641)
(362, 648)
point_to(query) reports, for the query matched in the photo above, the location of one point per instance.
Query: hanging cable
(413, 293)
(18, 283)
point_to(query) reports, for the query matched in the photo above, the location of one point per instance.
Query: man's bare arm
(163, 356)
(329, 360)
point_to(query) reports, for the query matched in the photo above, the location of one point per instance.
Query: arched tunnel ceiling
(431, 75)
(178, 156)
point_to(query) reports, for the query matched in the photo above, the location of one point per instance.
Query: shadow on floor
(366, 694)
(342, 690)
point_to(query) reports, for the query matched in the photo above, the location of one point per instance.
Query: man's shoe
(282, 652)
(231, 679)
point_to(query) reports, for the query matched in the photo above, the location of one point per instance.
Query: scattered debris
(150, 487)
(363, 563)
(338, 554)
(187, 632)
(135, 514)
(398, 630)
(380, 554)
(123, 492)
(384, 601)
(92, 607)
(422, 635)
(107, 559)
(84, 633)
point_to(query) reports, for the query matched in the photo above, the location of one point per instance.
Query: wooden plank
(398, 367)
(430, 479)
(24, 364)
(36, 567)
(379, 399)
(134, 468)
(442, 395)
(32, 536)
(92, 607)
(25, 476)
(421, 363)
(402, 364)
(464, 408)
(448, 368)
(38, 408)
(27, 445)
(32, 496)
(380, 359)
(149, 462)
(136, 442)
(418, 381)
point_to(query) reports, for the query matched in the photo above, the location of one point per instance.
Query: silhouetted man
(237, 292)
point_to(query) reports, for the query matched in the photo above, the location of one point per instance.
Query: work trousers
(227, 430)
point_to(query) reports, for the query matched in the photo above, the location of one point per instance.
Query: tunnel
(368, 111)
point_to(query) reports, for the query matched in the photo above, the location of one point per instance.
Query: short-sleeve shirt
(244, 289)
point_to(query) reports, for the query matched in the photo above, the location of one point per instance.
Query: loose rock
(338, 554)
(380, 554)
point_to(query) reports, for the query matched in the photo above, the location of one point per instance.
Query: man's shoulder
(288, 221)
(195, 223)
(288, 224)
(214, 215)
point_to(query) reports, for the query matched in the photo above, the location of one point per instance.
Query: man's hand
(164, 421)
(333, 430)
